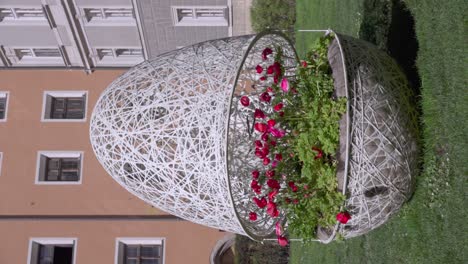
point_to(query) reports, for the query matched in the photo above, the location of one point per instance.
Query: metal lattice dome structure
(168, 131)
(173, 133)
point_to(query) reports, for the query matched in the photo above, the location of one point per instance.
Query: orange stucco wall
(96, 241)
(23, 135)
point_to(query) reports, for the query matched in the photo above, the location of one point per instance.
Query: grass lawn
(431, 227)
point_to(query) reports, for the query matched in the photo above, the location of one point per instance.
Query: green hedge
(273, 14)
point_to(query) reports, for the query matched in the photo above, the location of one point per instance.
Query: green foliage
(314, 120)
(273, 14)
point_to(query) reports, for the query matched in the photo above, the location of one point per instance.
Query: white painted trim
(117, 61)
(140, 241)
(106, 22)
(140, 29)
(34, 61)
(1, 162)
(63, 94)
(7, 95)
(230, 19)
(51, 241)
(58, 154)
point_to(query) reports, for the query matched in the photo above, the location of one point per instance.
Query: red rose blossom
(343, 217)
(270, 173)
(259, 69)
(304, 64)
(266, 52)
(252, 216)
(278, 107)
(274, 164)
(282, 241)
(271, 209)
(319, 153)
(272, 194)
(281, 113)
(292, 186)
(255, 174)
(271, 123)
(277, 133)
(260, 127)
(266, 161)
(261, 203)
(264, 137)
(258, 144)
(278, 229)
(273, 143)
(259, 113)
(265, 97)
(269, 89)
(259, 153)
(273, 184)
(279, 157)
(245, 101)
(262, 78)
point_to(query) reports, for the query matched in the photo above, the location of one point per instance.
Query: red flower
(264, 137)
(261, 203)
(245, 101)
(287, 200)
(266, 52)
(293, 186)
(274, 164)
(282, 241)
(319, 154)
(278, 229)
(285, 85)
(262, 78)
(279, 157)
(304, 64)
(260, 127)
(255, 174)
(277, 68)
(273, 143)
(265, 97)
(270, 69)
(259, 69)
(259, 113)
(281, 113)
(252, 216)
(271, 209)
(295, 201)
(255, 186)
(275, 79)
(266, 161)
(269, 89)
(278, 133)
(271, 123)
(273, 184)
(343, 217)
(265, 150)
(278, 107)
(272, 194)
(270, 173)
(259, 153)
(258, 144)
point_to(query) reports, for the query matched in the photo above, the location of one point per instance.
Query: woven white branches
(160, 130)
(383, 157)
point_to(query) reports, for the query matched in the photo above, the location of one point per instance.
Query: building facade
(57, 203)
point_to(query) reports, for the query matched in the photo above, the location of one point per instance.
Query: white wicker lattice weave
(160, 130)
(383, 154)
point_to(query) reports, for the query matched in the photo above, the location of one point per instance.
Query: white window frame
(4, 94)
(58, 154)
(107, 21)
(53, 241)
(19, 19)
(140, 241)
(117, 60)
(46, 108)
(1, 162)
(33, 61)
(200, 22)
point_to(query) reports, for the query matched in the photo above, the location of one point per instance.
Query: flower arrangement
(297, 135)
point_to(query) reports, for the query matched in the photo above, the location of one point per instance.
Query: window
(139, 251)
(108, 14)
(64, 106)
(52, 251)
(37, 53)
(119, 53)
(200, 16)
(3, 105)
(35, 13)
(59, 167)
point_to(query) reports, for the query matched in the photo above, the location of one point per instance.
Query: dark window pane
(67, 107)
(131, 261)
(2, 107)
(131, 251)
(46, 254)
(149, 251)
(149, 261)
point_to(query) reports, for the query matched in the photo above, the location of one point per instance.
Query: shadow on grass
(390, 26)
